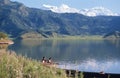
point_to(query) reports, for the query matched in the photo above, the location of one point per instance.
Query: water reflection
(92, 65)
(87, 55)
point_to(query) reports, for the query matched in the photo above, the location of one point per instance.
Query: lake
(83, 55)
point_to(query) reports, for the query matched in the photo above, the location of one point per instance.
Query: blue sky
(113, 5)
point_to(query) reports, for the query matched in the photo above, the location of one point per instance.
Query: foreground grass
(13, 66)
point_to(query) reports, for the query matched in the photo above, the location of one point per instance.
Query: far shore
(73, 38)
(67, 38)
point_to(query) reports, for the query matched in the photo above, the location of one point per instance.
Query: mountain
(17, 20)
(96, 11)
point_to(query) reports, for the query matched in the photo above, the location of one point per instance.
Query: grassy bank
(13, 66)
(6, 41)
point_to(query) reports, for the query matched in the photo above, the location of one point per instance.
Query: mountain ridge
(17, 19)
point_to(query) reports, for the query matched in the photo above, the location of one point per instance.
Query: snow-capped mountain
(62, 9)
(96, 11)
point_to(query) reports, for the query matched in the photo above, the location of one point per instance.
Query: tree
(3, 35)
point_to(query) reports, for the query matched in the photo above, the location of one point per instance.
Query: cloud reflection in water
(92, 65)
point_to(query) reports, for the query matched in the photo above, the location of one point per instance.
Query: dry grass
(13, 66)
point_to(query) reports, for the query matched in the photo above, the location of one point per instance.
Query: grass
(14, 66)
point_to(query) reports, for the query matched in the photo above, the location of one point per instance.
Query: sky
(113, 5)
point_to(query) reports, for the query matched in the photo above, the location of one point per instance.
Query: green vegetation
(13, 66)
(81, 75)
(3, 36)
(79, 37)
(31, 35)
(38, 36)
(4, 39)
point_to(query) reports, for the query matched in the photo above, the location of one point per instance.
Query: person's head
(43, 57)
(50, 58)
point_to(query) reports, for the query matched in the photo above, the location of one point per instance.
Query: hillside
(16, 19)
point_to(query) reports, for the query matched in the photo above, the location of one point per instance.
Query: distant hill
(16, 20)
(115, 34)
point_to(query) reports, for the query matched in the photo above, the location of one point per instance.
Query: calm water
(83, 55)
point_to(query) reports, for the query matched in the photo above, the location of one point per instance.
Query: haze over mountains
(16, 20)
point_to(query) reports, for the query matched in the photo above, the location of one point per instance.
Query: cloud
(61, 9)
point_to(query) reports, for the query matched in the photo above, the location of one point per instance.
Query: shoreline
(6, 42)
(84, 74)
(73, 38)
(66, 38)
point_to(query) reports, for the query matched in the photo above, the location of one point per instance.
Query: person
(50, 60)
(43, 60)
(102, 72)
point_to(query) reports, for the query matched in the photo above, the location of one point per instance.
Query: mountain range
(96, 11)
(17, 20)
